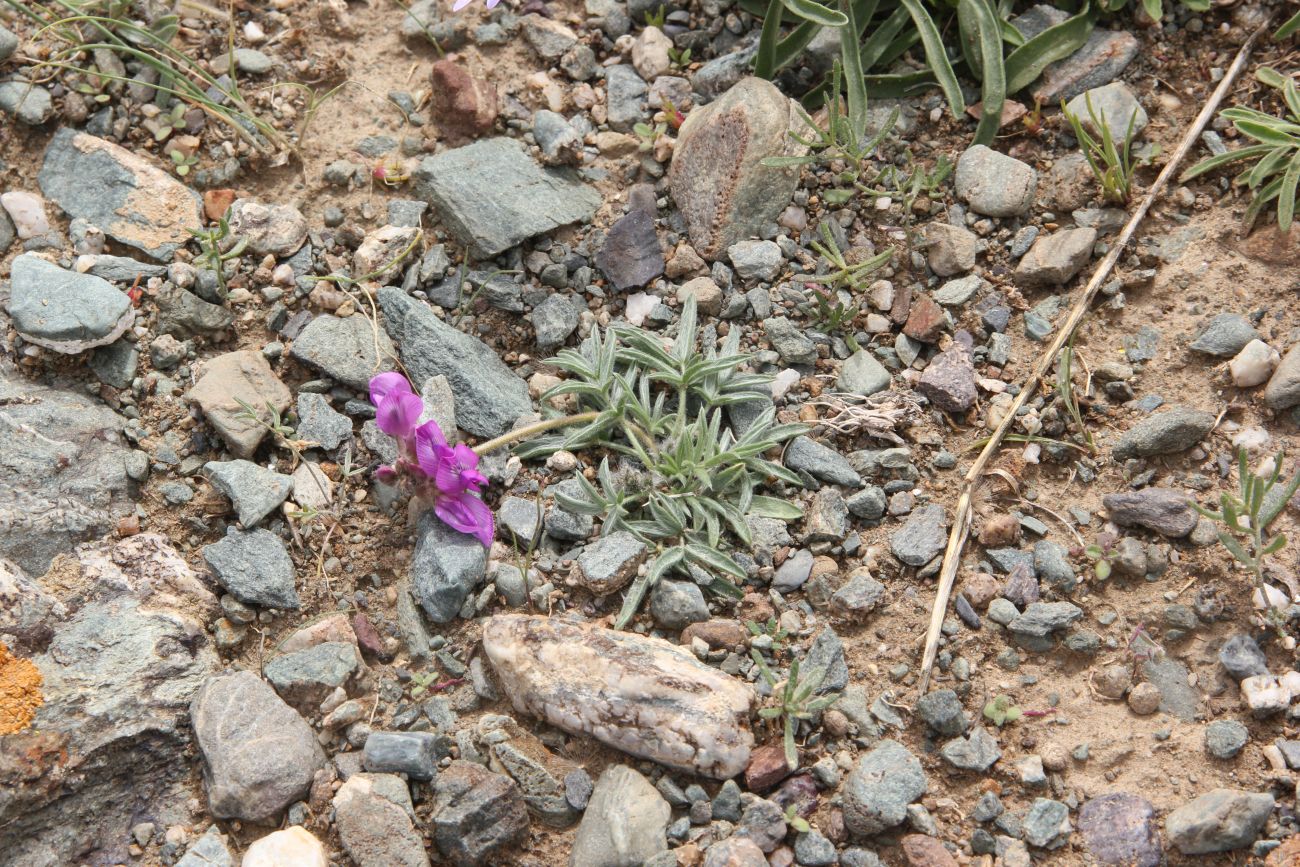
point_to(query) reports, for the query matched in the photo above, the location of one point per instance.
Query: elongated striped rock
(640, 695)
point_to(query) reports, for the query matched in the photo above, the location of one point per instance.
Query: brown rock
(998, 531)
(980, 588)
(230, 378)
(754, 606)
(368, 638)
(685, 263)
(638, 694)
(1144, 699)
(923, 851)
(735, 852)
(901, 308)
(217, 202)
(464, 107)
(926, 320)
(717, 634)
(767, 767)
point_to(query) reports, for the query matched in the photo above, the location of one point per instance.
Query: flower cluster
(445, 475)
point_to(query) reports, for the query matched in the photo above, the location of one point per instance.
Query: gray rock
(948, 381)
(677, 604)
(1047, 824)
(116, 364)
(1283, 389)
(609, 563)
(305, 678)
(1241, 657)
(344, 349)
(527, 200)
(631, 256)
(1175, 430)
(942, 712)
(63, 310)
(1142, 345)
(868, 504)
(717, 178)
(554, 135)
(8, 44)
(446, 567)
(1218, 821)
(184, 313)
(950, 249)
(827, 517)
(1033, 629)
(794, 572)
(1120, 829)
(29, 103)
(1003, 611)
(1160, 509)
(1056, 258)
(717, 76)
(63, 471)
(820, 462)
(254, 491)
(554, 320)
(1114, 105)
(476, 814)
(977, 751)
(1101, 58)
(826, 654)
(1224, 336)
(756, 260)
(277, 229)
(1052, 564)
(812, 849)
(789, 341)
(130, 198)
(1225, 738)
(373, 814)
(863, 374)
(111, 742)
(625, 823)
(122, 269)
(880, 787)
(259, 755)
(412, 753)
(318, 422)
(625, 92)
(255, 567)
(521, 518)
(1177, 698)
(923, 536)
(959, 291)
(210, 850)
(995, 184)
(489, 397)
(859, 596)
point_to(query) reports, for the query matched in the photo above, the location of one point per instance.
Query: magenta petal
(398, 414)
(468, 514)
(386, 474)
(431, 450)
(388, 383)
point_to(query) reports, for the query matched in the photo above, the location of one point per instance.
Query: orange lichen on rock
(20, 692)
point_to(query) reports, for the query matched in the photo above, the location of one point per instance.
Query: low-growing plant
(1102, 555)
(1245, 519)
(687, 482)
(648, 134)
(772, 629)
(1275, 158)
(794, 701)
(1111, 160)
(1065, 393)
(795, 821)
(217, 248)
(1002, 711)
(182, 161)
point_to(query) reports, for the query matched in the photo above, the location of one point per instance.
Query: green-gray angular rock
(344, 349)
(863, 374)
(883, 783)
(488, 395)
(28, 102)
(492, 196)
(1218, 821)
(254, 491)
(64, 310)
(255, 567)
(1175, 430)
(305, 678)
(446, 566)
(820, 462)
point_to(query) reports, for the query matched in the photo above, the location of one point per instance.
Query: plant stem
(530, 430)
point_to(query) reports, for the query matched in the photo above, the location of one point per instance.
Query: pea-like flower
(441, 474)
(461, 4)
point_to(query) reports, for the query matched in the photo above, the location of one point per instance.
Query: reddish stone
(767, 767)
(799, 792)
(926, 321)
(217, 202)
(902, 306)
(717, 634)
(735, 852)
(463, 107)
(923, 851)
(368, 639)
(754, 606)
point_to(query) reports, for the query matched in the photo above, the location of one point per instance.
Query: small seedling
(1245, 519)
(212, 256)
(1142, 647)
(1111, 161)
(795, 821)
(681, 57)
(1001, 711)
(843, 275)
(796, 701)
(649, 135)
(182, 162)
(656, 17)
(1101, 553)
(1065, 391)
(772, 629)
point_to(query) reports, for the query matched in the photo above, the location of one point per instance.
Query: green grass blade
(854, 82)
(1209, 164)
(995, 84)
(790, 47)
(1286, 194)
(935, 56)
(1291, 25)
(873, 49)
(1025, 64)
(765, 59)
(809, 10)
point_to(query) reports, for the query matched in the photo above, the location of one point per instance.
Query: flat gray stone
(821, 462)
(625, 822)
(995, 184)
(883, 783)
(210, 850)
(863, 374)
(923, 536)
(1283, 389)
(253, 490)
(63, 310)
(976, 751)
(374, 816)
(1218, 821)
(1165, 511)
(344, 349)
(305, 678)
(489, 397)
(492, 196)
(318, 422)
(446, 566)
(29, 103)
(1165, 433)
(609, 563)
(255, 567)
(1055, 259)
(1224, 336)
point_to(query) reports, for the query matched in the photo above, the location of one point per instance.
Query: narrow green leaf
(1286, 195)
(1026, 63)
(855, 84)
(1234, 547)
(716, 560)
(771, 507)
(809, 10)
(1291, 25)
(994, 90)
(935, 56)
(1277, 544)
(1209, 164)
(765, 58)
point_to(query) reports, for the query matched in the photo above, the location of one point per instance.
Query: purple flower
(461, 4)
(453, 470)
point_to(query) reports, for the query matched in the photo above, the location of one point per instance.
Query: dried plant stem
(962, 518)
(533, 429)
